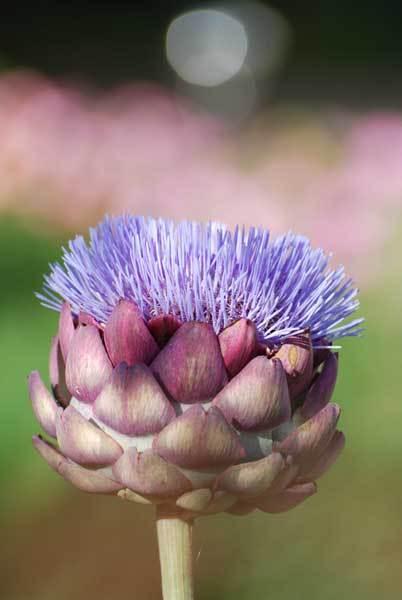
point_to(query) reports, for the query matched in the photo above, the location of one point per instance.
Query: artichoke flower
(193, 366)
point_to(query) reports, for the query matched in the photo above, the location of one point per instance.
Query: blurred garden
(286, 133)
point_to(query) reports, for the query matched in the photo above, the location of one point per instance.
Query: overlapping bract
(171, 413)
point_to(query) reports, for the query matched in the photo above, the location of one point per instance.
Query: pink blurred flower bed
(341, 185)
(68, 155)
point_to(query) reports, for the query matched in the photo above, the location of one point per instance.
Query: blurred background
(281, 114)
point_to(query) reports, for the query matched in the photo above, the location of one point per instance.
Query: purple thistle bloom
(184, 372)
(204, 272)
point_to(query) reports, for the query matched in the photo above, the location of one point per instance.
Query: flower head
(184, 371)
(205, 273)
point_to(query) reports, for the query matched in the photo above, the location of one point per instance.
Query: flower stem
(175, 555)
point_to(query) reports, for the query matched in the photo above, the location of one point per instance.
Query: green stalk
(175, 555)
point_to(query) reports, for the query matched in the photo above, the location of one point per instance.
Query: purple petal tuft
(88, 367)
(43, 404)
(288, 499)
(127, 337)
(238, 344)
(83, 441)
(308, 442)
(163, 327)
(199, 439)
(66, 329)
(321, 390)
(198, 272)
(149, 474)
(133, 403)
(256, 399)
(190, 367)
(57, 372)
(297, 358)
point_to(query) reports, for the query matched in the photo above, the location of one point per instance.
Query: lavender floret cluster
(207, 273)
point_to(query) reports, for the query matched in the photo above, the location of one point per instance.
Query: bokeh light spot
(206, 47)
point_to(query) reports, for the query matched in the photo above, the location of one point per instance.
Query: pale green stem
(175, 555)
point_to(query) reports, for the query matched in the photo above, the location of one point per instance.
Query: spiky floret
(205, 272)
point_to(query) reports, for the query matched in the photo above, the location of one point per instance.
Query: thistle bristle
(204, 272)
